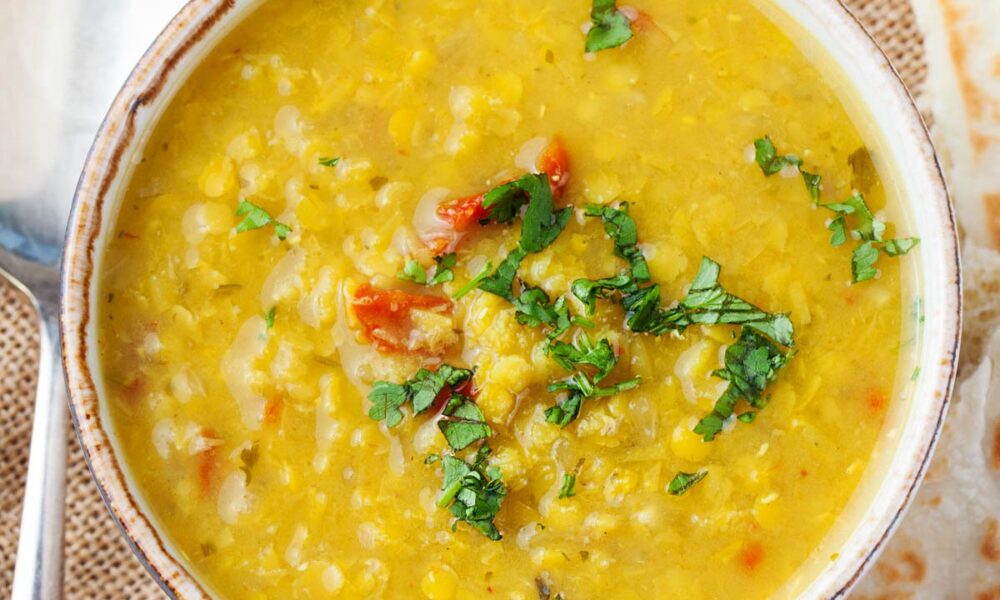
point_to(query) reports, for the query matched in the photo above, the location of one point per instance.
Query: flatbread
(962, 45)
(948, 546)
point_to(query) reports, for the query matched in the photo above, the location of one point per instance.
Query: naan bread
(948, 546)
(962, 44)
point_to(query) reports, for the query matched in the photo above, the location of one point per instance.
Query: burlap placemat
(98, 562)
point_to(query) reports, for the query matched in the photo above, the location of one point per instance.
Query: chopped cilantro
(683, 482)
(421, 391)
(707, 303)
(505, 201)
(413, 271)
(431, 459)
(463, 423)
(328, 161)
(568, 489)
(386, 399)
(566, 411)
(255, 217)
(474, 282)
(534, 310)
(747, 417)
(542, 224)
(269, 317)
(610, 27)
(768, 159)
(501, 281)
(750, 365)
(473, 492)
(589, 291)
(600, 356)
(814, 183)
(580, 387)
(621, 228)
(900, 247)
(863, 262)
(443, 269)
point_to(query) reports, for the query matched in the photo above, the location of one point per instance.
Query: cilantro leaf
(329, 161)
(863, 262)
(750, 365)
(869, 228)
(541, 224)
(501, 281)
(814, 183)
(463, 423)
(443, 269)
(505, 201)
(255, 217)
(474, 282)
(611, 28)
(269, 317)
(839, 228)
(473, 493)
(421, 390)
(566, 411)
(707, 303)
(386, 399)
(534, 310)
(600, 356)
(432, 458)
(568, 489)
(589, 290)
(621, 228)
(683, 482)
(900, 247)
(413, 271)
(768, 159)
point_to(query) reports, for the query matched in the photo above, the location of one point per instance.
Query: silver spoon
(31, 233)
(61, 62)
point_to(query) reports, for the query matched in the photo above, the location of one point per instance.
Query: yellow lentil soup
(408, 299)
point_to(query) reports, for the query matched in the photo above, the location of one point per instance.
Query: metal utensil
(30, 240)
(61, 62)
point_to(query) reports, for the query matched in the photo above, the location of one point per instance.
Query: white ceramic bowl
(880, 104)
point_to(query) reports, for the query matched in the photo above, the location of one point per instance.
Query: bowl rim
(106, 159)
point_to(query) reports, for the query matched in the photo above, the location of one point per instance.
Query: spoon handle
(38, 571)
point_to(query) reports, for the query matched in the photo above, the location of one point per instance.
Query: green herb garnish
(432, 458)
(535, 310)
(768, 159)
(474, 282)
(463, 423)
(867, 229)
(750, 365)
(683, 482)
(421, 390)
(269, 317)
(328, 161)
(443, 269)
(473, 492)
(621, 228)
(707, 303)
(501, 282)
(255, 217)
(568, 489)
(611, 28)
(415, 272)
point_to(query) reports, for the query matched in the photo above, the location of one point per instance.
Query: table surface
(61, 63)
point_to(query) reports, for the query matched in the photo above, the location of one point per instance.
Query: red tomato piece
(462, 214)
(387, 316)
(554, 162)
(208, 465)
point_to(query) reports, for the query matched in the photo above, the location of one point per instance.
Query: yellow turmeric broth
(356, 139)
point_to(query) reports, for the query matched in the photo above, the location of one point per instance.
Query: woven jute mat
(98, 562)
